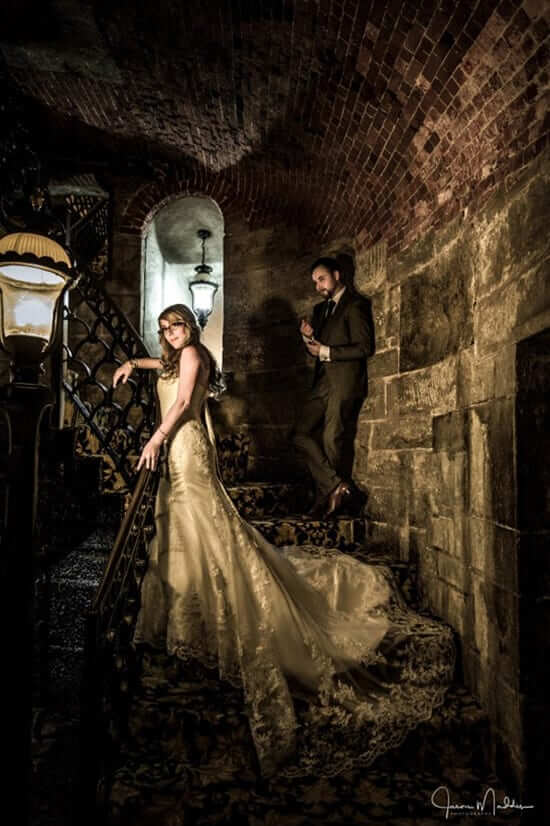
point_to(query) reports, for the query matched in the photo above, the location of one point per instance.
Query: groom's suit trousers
(325, 433)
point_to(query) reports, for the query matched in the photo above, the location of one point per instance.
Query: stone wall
(267, 289)
(436, 443)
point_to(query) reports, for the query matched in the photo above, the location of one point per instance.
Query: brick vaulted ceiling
(355, 117)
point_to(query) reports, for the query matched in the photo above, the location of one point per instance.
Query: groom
(340, 337)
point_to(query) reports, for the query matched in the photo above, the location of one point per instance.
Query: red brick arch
(150, 197)
(260, 196)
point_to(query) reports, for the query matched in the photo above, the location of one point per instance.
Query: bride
(276, 623)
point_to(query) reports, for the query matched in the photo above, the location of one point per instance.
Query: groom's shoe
(338, 499)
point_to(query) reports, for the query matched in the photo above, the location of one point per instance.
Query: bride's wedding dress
(284, 623)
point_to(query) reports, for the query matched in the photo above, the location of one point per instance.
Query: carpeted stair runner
(189, 759)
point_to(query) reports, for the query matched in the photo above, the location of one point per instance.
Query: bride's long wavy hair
(170, 358)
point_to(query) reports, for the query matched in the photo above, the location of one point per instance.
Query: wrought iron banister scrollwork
(91, 229)
(101, 338)
(110, 664)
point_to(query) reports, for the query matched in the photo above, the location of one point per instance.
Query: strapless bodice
(167, 389)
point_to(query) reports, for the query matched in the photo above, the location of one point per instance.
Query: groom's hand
(306, 329)
(314, 347)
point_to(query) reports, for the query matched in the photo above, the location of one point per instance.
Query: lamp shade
(34, 273)
(202, 295)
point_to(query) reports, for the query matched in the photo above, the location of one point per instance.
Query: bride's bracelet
(133, 363)
(160, 430)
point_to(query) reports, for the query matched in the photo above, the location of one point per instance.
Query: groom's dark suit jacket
(349, 333)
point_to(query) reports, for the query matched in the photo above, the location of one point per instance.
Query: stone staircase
(189, 758)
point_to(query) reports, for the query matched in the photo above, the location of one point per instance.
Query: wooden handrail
(121, 538)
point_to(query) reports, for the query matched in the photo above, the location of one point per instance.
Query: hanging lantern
(203, 290)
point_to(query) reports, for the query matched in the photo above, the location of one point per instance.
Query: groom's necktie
(329, 308)
(327, 312)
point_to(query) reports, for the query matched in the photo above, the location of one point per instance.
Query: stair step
(344, 532)
(266, 499)
(219, 766)
(65, 667)
(74, 581)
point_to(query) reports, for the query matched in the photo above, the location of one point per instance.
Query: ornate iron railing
(110, 664)
(91, 229)
(100, 339)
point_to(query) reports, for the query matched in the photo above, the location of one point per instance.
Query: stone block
(475, 378)
(508, 708)
(445, 602)
(371, 267)
(382, 538)
(374, 406)
(406, 262)
(379, 315)
(384, 363)
(425, 487)
(362, 456)
(490, 240)
(491, 462)
(505, 371)
(453, 571)
(417, 544)
(427, 563)
(471, 668)
(126, 264)
(434, 389)
(509, 306)
(528, 223)
(444, 473)
(494, 552)
(450, 432)
(440, 533)
(386, 505)
(387, 469)
(436, 310)
(496, 628)
(393, 314)
(461, 481)
(403, 433)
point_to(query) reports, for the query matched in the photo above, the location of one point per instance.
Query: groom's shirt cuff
(324, 353)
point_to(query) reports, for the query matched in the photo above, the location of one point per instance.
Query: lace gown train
(267, 618)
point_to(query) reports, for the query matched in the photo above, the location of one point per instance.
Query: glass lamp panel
(29, 295)
(203, 296)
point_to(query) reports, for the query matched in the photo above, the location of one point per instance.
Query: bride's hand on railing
(122, 373)
(150, 453)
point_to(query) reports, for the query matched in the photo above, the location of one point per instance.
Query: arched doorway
(171, 250)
